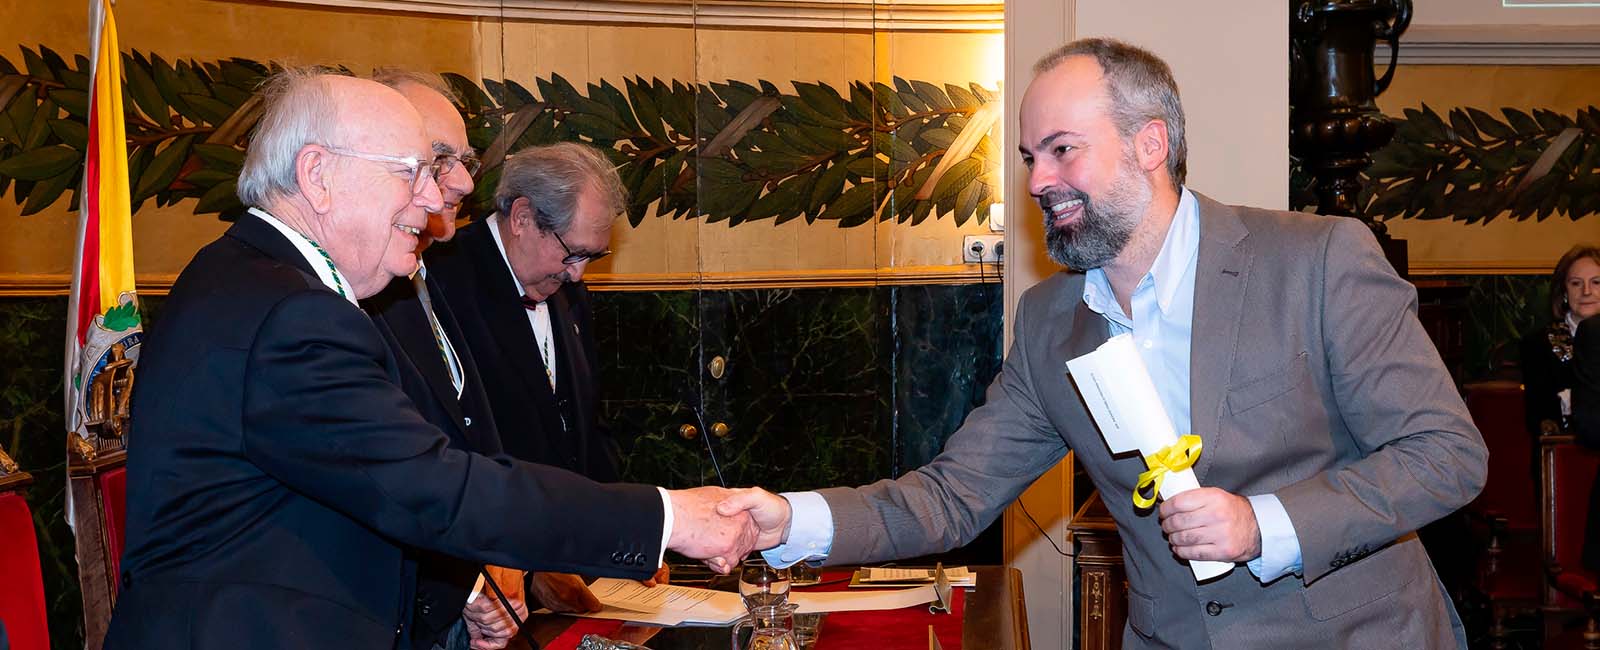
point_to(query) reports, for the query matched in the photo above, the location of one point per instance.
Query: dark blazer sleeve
(323, 416)
(1586, 382)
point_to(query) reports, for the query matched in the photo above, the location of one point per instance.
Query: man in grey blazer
(1331, 430)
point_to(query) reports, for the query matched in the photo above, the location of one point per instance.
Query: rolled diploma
(1124, 402)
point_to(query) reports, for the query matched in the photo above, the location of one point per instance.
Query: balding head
(433, 100)
(345, 162)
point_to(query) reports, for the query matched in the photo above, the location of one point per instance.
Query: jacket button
(617, 557)
(466, 421)
(427, 610)
(1214, 608)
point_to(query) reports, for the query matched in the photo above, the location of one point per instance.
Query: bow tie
(531, 304)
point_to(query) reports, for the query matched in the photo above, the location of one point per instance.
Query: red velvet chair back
(1511, 491)
(1569, 478)
(114, 501)
(22, 597)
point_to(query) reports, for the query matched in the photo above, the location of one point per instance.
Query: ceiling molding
(1498, 45)
(920, 16)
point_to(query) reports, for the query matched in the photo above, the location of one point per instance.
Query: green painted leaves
(1469, 165)
(727, 151)
(171, 110)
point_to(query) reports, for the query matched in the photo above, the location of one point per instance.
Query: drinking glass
(762, 585)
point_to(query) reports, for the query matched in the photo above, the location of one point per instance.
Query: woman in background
(1582, 297)
(1547, 371)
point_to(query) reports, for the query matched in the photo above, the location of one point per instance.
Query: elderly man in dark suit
(283, 476)
(516, 279)
(442, 380)
(1285, 341)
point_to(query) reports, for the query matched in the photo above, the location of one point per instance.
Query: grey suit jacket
(1311, 379)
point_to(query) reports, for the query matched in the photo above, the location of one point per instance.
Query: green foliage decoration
(185, 121)
(728, 151)
(1469, 165)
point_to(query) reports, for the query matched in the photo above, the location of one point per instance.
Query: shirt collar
(493, 222)
(1178, 250)
(320, 265)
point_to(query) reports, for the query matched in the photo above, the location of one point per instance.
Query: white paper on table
(860, 601)
(663, 619)
(689, 604)
(879, 577)
(1124, 402)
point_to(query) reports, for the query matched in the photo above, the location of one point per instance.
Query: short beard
(1106, 224)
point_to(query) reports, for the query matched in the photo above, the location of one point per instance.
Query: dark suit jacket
(280, 474)
(1543, 375)
(483, 293)
(1311, 380)
(1586, 421)
(443, 582)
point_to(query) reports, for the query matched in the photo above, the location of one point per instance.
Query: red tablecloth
(897, 629)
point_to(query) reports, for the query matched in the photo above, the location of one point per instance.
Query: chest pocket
(1255, 392)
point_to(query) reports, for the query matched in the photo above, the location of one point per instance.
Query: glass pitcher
(771, 628)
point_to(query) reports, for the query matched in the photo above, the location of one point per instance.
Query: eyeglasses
(421, 171)
(446, 162)
(574, 258)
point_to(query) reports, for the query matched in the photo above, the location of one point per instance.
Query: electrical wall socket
(982, 248)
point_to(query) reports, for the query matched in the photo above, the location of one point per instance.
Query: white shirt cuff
(1280, 547)
(810, 531)
(666, 525)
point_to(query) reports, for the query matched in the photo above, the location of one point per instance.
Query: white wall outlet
(988, 249)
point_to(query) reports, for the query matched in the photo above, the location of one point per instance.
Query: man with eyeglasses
(515, 280)
(282, 477)
(437, 373)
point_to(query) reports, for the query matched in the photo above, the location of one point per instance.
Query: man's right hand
(563, 592)
(770, 512)
(701, 532)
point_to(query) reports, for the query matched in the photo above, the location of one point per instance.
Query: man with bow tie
(515, 281)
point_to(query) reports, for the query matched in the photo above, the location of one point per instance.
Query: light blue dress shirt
(1163, 308)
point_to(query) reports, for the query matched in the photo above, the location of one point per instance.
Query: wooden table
(995, 619)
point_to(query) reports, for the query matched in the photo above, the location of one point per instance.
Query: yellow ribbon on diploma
(1175, 457)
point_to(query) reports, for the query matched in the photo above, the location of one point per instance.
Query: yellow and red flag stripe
(103, 309)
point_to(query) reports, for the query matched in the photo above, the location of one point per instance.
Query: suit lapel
(506, 316)
(571, 362)
(416, 335)
(1086, 330)
(1221, 276)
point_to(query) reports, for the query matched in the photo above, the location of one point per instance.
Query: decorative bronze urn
(1334, 124)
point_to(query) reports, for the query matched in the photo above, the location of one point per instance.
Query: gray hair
(1140, 88)
(551, 177)
(397, 77)
(298, 108)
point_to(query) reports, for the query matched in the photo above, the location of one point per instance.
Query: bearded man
(1331, 430)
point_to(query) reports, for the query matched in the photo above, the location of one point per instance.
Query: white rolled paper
(1124, 402)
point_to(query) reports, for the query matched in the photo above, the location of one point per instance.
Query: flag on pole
(103, 319)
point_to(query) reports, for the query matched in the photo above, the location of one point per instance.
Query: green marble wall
(822, 386)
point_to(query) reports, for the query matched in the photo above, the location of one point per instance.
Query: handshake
(721, 526)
